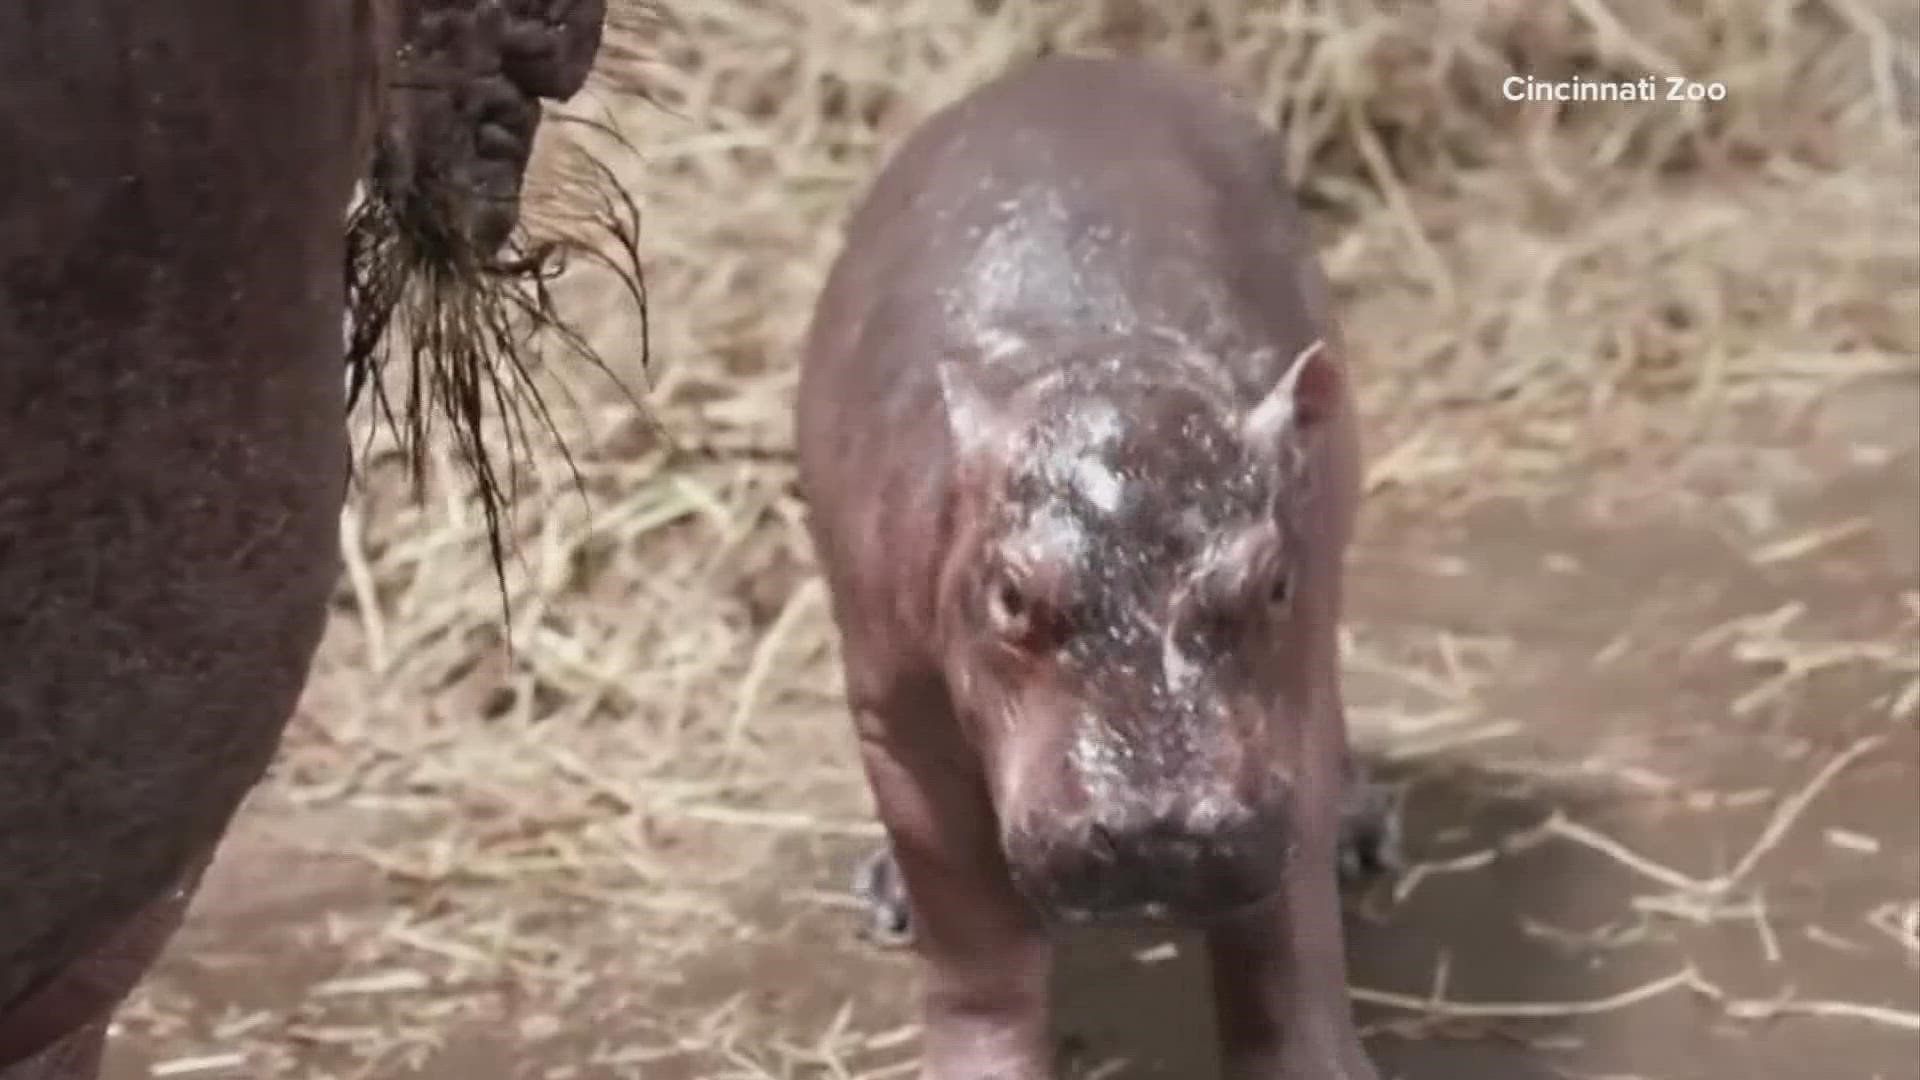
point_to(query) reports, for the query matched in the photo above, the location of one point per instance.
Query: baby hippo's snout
(1178, 860)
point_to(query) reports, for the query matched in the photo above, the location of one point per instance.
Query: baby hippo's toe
(1370, 841)
(877, 884)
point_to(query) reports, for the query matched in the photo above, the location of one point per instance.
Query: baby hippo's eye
(1280, 592)
(1008, 608)
(1021, 617)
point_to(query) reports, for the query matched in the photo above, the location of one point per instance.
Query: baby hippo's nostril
(1099, 839)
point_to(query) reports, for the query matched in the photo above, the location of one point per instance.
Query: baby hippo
(1080, 455)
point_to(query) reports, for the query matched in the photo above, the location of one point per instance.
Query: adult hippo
(175, 177)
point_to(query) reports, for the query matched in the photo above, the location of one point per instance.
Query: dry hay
(1534, 291)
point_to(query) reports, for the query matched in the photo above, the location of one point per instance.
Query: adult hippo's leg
(84, 988)
(171, 402)
(171, 295)
(174, 462)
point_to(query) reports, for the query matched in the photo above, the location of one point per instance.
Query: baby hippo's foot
(880, 889)
(1369, 831)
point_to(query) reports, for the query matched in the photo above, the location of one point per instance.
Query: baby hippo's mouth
(1151, 871)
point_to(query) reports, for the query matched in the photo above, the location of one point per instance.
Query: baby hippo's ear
(976, 409)
(1306, 393)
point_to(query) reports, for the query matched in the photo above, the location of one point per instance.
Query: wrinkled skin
(466, 88)
(1077, 440)
(171, 303)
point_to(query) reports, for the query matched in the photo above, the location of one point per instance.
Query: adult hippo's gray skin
(175, 178)
(1077, 437)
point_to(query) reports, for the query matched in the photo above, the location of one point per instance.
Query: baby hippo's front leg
(986, 958)
(1279, 971)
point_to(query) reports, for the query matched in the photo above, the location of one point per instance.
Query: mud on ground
(1636, 616)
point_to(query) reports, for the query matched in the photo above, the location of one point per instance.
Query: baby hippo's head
(1126, 622)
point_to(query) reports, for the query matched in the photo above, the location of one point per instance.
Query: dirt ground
(1616, 675)
(1636, 602)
